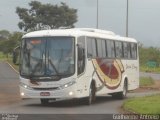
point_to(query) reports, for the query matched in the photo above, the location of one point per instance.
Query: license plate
(45, 94)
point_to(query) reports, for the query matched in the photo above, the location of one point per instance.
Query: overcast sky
(144, 16)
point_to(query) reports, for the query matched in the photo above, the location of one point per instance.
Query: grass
(13, 65)
(2, 57)
(9, 60)
(146, 81)
(150, 69)
(143, 105)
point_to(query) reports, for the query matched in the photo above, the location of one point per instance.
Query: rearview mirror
(16, 55)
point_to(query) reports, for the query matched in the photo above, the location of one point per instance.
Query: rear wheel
(122, 94)
(92, 94)
(44, 101)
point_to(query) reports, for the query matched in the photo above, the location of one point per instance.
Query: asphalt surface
(155, 76)
(30, 109)
(9, 91)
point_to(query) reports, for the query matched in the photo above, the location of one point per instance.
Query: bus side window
(101, 48)
(133, 50)
(81, 55)
(118, 48)
(110, 49)
(91, 48)
(127, 51)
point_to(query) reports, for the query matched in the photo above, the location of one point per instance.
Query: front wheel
(44, 101)
(92, 94)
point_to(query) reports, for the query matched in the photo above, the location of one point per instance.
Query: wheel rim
(91, 98)
(90, 95)
(125, 89)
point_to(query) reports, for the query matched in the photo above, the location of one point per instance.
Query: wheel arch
(125, 79)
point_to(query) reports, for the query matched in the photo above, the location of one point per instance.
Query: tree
(7, 46)
(4, 34)
(46, 16)
(149, 54)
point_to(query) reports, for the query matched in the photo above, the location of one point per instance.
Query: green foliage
(148, 69)
(143, 105)
(44, 16)
(149, 54)
(4, 34)
(2, 57)
(10, 61)
(13, 40)
(146, 81)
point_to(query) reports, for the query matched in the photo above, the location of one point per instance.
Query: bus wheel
(123, 94)
(125, 89)
(44, 101)
(92, 94)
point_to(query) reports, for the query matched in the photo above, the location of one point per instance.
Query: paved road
(8, 84)
(104, 104)
(155, 76)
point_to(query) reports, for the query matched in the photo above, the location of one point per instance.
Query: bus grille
(54, 88)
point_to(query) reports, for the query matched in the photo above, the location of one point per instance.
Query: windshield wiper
(53, 66)
(38, 66)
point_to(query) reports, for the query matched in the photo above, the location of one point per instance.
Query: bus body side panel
(84, 80)
(111, 73)
(132, 73)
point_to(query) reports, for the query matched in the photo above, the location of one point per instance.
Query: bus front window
(32, 54)
(61, 55)
(50, 56)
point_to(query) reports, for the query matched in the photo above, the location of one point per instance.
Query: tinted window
(99, 48)
(91, 47)
(119, 52)
(81, 55)
(133, 50)
(126, 50)
(110, 49)
(103, 48)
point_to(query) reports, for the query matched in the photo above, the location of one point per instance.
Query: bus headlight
(22, 94)
(71, 93)
(67, 84)
(25, 86)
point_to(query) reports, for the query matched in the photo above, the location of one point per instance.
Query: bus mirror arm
(15, 55)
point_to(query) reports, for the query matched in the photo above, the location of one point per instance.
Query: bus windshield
(46, 57)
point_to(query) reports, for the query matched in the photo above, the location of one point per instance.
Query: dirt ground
(9, 95)
(155, 87)
(8, 99)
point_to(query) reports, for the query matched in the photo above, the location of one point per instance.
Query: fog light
(70, 93)
(22, 94)
(25, 86)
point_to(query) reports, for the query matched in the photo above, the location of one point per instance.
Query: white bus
(77, 63)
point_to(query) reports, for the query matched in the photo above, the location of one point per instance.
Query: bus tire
(44, 101)
(92, 94)
(122, 94)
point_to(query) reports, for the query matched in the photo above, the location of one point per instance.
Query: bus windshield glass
(51, 56)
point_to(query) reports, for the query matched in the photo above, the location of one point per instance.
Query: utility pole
(97, 13)
(127, 20)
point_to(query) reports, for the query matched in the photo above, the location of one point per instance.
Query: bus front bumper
(63, 94)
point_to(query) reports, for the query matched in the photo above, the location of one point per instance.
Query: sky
(144, 17)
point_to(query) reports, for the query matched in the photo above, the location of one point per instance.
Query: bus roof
(76, 32)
